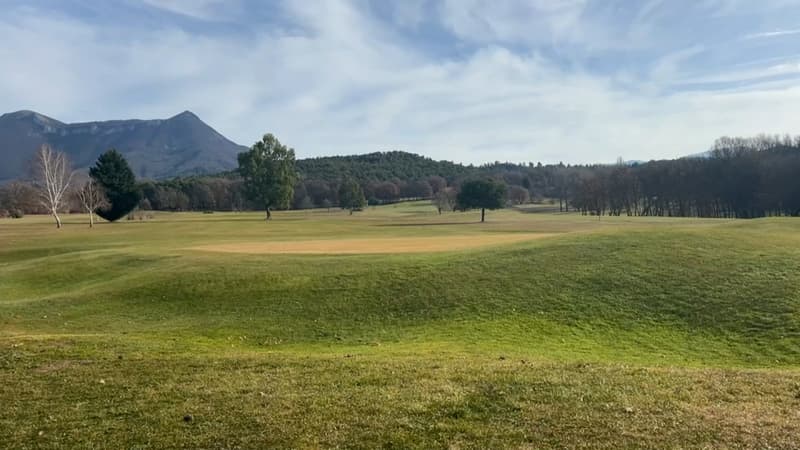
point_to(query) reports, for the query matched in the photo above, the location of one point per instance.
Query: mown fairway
(578, 332)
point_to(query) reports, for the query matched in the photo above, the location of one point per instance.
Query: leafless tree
(91, 196)
(445, 199)
(52, 175)
(518, 195)
(19, 198)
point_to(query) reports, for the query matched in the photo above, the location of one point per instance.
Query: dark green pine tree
(112, 172)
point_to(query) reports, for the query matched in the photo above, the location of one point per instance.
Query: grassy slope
(620, 332)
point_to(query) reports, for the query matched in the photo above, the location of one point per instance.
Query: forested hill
(380, 166)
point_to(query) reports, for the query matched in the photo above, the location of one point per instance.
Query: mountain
(180, 145)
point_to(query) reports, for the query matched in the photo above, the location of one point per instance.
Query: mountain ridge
(156, 148)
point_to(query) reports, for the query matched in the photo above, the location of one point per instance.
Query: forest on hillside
(737, 178)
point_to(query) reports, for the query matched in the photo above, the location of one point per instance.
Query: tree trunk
(351, 211)
(91, 219)
(269, 214)
(483, 214)
(58, 219)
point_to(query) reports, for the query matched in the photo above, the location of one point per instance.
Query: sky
(472, 81)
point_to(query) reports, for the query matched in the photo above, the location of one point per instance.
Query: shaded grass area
(614, 333)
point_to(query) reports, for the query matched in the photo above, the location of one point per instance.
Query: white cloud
(337, 81)
(722, 8)
(772, 34)
(753, 75)
(669, 66)
(198, 9)
(512, 21)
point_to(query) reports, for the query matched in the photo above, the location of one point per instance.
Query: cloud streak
(772, 34)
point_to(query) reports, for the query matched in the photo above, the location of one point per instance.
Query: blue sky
(465, 80)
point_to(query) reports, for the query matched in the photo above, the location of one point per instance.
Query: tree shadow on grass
(538, 209)
(423, 224)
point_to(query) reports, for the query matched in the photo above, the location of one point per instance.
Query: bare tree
(91, 196)
(518, 195)
(19, 198)
(445, 199)
(52, 175)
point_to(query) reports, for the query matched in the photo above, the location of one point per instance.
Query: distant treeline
(738, 177)
(227, 194)
(384, 177)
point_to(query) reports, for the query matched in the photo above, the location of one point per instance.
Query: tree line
(736, 178)
(109, 190)
(267, 179)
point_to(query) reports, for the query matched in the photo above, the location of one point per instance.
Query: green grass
(618, 332)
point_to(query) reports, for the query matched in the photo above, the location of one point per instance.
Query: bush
(16, 214)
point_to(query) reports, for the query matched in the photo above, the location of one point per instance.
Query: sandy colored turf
(379, 245)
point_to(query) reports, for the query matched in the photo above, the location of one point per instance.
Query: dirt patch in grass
(376, 245)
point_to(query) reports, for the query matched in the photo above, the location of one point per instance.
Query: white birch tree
(52, 175)
(91, 196)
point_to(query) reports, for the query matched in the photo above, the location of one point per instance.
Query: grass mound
(629, 332)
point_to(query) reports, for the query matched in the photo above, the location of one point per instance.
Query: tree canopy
(380, 166)
(114, 175)
(268, 173)
(484, 194)
(351, 196)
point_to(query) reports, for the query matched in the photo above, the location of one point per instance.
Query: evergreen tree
(114, 175)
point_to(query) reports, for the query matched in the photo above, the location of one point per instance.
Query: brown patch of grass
(56, 366)
(754, 424)
(379, 245)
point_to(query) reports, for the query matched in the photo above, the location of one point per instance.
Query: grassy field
(400, 328)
